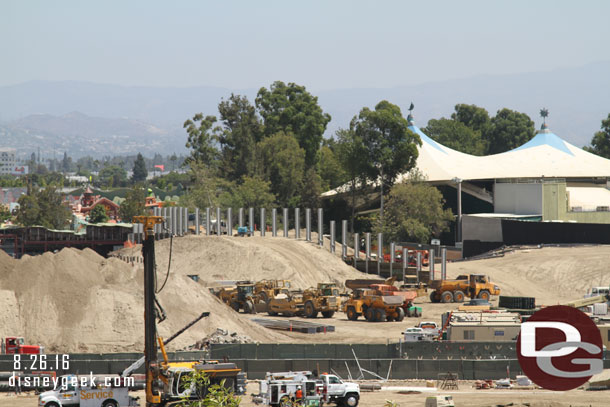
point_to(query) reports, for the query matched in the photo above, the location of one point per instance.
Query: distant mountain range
(124, 120)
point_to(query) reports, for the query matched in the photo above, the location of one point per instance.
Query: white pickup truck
(69, 392)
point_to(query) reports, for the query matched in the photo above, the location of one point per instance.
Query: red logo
(560, 348)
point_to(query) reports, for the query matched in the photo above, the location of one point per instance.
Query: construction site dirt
(79, 301)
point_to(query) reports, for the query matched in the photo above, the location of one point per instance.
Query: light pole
(458, 181)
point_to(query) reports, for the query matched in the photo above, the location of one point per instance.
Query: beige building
(484, 326)
(7, 160)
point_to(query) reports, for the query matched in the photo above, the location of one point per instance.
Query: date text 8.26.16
(42, 362)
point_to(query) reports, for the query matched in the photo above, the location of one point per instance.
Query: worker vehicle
(408, 296)
(74, 391)
(16, 344)
(374, 306)
(473, 286)
(241, 297)
(282, 392)
(267, 289)
(603, 296)
(324, 298)
(415, 334)
(245, 231)
(597, 291)
(288, 303)
(430, 327)
(332, 388)
(439, 401)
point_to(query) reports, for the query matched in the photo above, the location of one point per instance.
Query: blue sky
(320, 44)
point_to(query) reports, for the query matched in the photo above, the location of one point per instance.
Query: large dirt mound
(254, 258)
(551, 274)
(78, 301)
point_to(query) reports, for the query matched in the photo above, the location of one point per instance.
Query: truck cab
(69, 391)
(16, 344)
(337, 391)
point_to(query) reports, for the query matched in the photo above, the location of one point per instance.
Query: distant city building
(8, 161)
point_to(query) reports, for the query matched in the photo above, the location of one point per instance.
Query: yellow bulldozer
(241, 297)
(324, 298)
(268, 289)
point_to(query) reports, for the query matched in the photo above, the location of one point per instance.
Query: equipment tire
(235, 306)
(400, 316)
(249, 308)
(264, 297)
(458, 296)
(285, 402)
(52, 404)
(370, 315)
(446, 297)
(380, 315)
(352, 315)
(433, 297)
(310, 310)
(271, 313)
(484, 295)
(328, 314)
(351, 400)
(110, 403)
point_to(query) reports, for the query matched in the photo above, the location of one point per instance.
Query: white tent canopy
(545, 155)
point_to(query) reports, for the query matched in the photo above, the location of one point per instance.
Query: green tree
(133, 205)
(113, 176)
(415, 213)
(283, 163)
(201, 139)
(139, 169)
(43, 207)
(600, 143)
(311, 189)
(66, 163)
(391, 146)
(509, 129)
(242, 129)
(251, 192)
(473, 117)
(293, 110)
(207, 394)
(98, 214)
(5, 214)
(455, 135)
(353, 157)
(206, 187)
(329, 166)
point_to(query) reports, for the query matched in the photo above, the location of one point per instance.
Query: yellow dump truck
(473, 286)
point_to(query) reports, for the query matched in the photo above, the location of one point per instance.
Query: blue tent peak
(546, 137)
(425, 139)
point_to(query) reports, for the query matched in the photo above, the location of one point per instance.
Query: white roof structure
(546, 155)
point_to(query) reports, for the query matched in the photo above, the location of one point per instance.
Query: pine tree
(139, 169)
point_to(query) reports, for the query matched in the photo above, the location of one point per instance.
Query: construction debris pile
(220, 336)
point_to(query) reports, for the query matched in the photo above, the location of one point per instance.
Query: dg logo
(560, 348)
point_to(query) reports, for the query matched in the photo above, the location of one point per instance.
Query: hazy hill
(79, 134)
(578, 99)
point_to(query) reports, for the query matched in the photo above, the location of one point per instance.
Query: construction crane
(152, 368)
(583, 302)
(161, 378)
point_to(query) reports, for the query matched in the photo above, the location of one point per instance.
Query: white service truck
(278, 389)
(69, 391)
